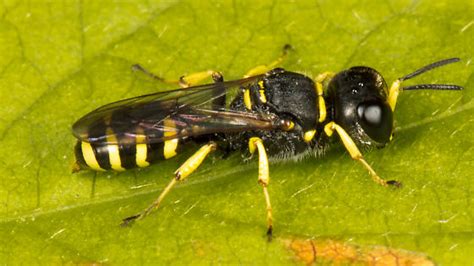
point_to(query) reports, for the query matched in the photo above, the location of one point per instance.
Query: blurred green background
(61, 59)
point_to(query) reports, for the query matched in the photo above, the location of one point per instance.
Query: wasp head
(358, 97)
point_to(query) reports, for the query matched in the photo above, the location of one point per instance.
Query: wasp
(271, 111)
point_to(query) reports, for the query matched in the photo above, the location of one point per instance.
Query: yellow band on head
(393, 94)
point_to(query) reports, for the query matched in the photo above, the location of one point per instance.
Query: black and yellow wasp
(278, 113)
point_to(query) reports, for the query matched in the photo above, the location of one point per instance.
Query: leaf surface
(62, 59)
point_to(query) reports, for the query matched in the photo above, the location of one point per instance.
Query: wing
(173, 114)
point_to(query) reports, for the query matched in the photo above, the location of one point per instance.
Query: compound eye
(376, 120)
(370, 113)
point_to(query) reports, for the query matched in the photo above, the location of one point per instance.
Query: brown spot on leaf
(342, 253)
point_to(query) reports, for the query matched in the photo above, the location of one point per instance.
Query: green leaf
(62, 59)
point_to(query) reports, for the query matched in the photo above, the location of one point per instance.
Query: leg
(183, 171)
(320, 79)
(351, 147)
(263, 178)
(184, 81)
(265, 68)
(194, 78)
(138, 67)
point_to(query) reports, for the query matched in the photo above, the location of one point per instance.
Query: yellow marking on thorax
(320, 92)
(142, 151)
(262, 96)
(89, 156)
(321, 102)
(309, 135)
(114, 151)
(247, 100)
(171, 145)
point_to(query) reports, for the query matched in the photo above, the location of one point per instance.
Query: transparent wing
(173, 114)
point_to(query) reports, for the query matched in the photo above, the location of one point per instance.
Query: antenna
(431, 86)
(446, 87)
(396, 86)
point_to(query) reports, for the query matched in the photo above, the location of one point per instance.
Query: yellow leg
(183, 171)
(320, 79)
(265, 68)
(198, 77)
(184, 81)
(263, 178)
(351, 147)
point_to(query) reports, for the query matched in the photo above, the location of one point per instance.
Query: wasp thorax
(359, 104)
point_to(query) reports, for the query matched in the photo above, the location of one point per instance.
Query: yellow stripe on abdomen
(114, 152)
(114, 157)
(142, 152)
(89, 156)
(170, 145)
(170, 148)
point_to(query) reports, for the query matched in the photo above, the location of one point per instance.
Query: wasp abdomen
(102, 157)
